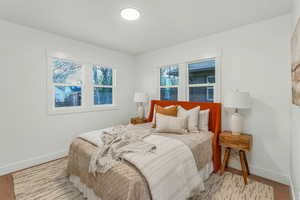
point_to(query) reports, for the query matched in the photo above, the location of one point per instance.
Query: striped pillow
(169, 110)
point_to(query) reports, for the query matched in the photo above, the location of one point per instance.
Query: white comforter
(171, 171)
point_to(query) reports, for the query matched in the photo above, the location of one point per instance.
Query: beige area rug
(50, 182)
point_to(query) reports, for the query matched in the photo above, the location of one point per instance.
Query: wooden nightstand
(137, 120)
(242, 143)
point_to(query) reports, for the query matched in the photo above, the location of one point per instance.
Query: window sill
(73, 110)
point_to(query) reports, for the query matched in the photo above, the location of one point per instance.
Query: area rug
(50, 182)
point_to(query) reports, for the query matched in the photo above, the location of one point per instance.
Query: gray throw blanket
(116, 142)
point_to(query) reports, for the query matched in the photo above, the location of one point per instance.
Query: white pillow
(192, 116)
(169, 124)
(203, 120)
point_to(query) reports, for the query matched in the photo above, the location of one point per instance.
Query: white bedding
(171, 171)
(88, 193)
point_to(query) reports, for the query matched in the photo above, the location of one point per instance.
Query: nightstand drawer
(137, 120)
(241, 142)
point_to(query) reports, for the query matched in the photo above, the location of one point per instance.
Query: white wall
(295, 134)
(255, 58)
(295, 152)
(296, 11)
(28, 134)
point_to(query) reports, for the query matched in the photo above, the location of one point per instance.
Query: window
(103, 85)
(196, 81)
(201, 80)
(169, 81)
(66, 83)
(79, 87)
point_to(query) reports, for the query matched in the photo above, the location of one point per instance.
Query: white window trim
(87, 89)
(113, 86)
(216, 85)
(183, 87)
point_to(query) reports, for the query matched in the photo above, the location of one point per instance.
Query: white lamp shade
(236, 99)
(140, 97)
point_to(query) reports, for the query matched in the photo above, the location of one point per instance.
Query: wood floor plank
(7, 188)
(281, 191)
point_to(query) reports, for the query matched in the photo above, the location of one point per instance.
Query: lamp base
(140, 111)
(236, 124)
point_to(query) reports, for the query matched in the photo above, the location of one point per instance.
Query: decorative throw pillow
(192, 116)
(203, 120)
(169, 110)
(170, 124)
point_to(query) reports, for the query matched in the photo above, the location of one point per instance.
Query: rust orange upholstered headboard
(214, 122)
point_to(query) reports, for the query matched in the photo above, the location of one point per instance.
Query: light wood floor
(281, 191)
(7, 188)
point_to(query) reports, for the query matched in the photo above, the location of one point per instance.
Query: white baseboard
(270, 174)
(12, 167)
(292, 188)
(266, 173)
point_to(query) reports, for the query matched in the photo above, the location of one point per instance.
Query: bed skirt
(90, 194)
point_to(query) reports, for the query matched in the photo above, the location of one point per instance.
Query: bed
(126, 181)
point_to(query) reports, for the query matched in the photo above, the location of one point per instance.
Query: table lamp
(140, 98)
(237, 100)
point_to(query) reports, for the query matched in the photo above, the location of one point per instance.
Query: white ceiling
(162, 23)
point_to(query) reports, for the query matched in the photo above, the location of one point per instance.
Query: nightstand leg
(225, 160)
(244, 167)
(246, 162)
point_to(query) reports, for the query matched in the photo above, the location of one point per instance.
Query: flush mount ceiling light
(130, 14)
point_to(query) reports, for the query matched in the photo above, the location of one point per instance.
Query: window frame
(183, 87)
(214, 85)
(66, 84)
(113, 87)
(172, 86)
(87, 87)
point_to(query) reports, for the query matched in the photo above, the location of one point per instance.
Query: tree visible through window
(76, 86)
(169, 81)
(67, 82)
(103, 85)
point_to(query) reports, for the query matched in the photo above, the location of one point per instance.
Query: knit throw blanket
(117, 141)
